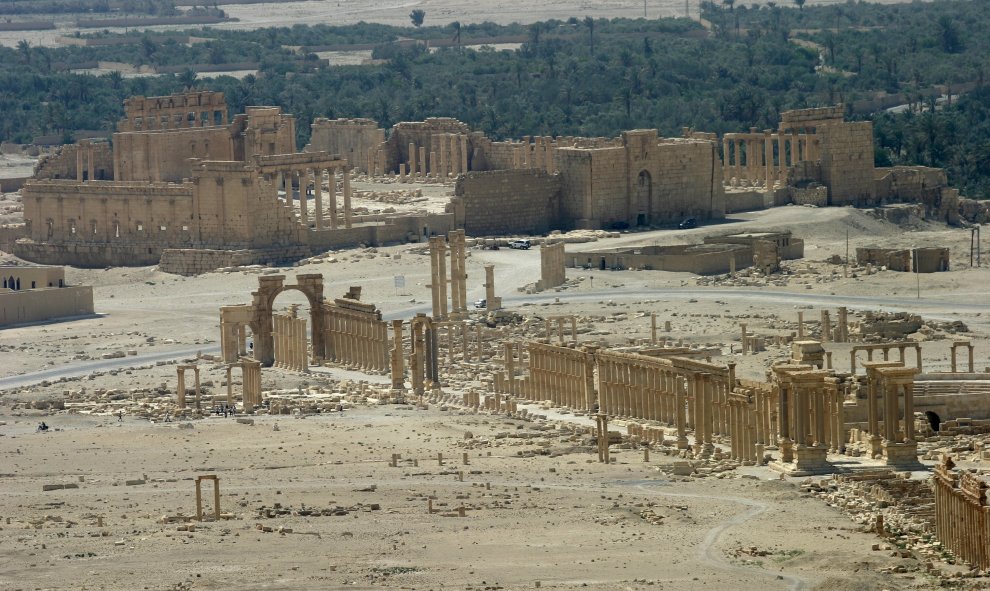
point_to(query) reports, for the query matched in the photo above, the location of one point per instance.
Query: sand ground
(537, 508)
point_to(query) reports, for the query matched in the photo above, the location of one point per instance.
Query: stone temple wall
(508, 202)
(349, 138)
(164, 155)
(847, 162)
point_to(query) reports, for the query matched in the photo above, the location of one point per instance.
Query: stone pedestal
(903, 456)
(808, 460)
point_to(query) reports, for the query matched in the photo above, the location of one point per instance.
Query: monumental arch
(269, 287)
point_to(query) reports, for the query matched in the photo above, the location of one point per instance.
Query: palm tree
(456, 25)
(24, 48)
(590, 23)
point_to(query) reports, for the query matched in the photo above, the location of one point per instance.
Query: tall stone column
(767, 160)
(412, 160)
(464, 154)
(423, 170)
(434, 165)
(180, 391)
(318, 196)
(347, 198)
(303, 175)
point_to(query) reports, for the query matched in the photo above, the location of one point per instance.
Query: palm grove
(576, 77)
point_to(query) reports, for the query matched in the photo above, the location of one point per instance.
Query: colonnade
(962, 515)
(356, 335)
(181, 389)
(757, 159)
(85, 157)
(302, 176)
(251, 383)
(457, 243)
(564, 376)
(885, 348)
(890, 397)
(289, 334)
(810, 417)
(423, 357)
(560, 320)
(234, 322)
(957, 345)
(535, 152)
(641, 387)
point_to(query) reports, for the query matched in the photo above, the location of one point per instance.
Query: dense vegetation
(579, 77)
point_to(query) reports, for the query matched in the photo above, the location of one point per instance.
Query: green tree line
(576, 77)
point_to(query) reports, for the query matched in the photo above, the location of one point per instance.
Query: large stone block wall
(70, 212)
(349, 138)
(509, 202)
(847, 162)
(38, 305)
(235, 208)
(164, 155)
(688, 181)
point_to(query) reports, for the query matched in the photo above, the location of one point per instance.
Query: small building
(788, 247)
(38, 293)
(703, 259)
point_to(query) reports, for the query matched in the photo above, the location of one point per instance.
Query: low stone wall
(817, 196)
(195, 261)
(39, 305)
(702, 259)
(89, 255)
(737, 201)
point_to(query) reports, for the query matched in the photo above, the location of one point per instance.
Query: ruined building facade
(194, 191)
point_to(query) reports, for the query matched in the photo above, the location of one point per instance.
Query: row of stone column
(962, 516)
(643, 390)
(564, 376)
(250, 383)
(85, 165)
(957, 345)
(233, 340)
(423, 358)
(761, 159)
(181, 389)
(457, 242)
(289, 334)
(560, 321)
(885, 349)
(303, 177)
(357, 339)
(536, 152)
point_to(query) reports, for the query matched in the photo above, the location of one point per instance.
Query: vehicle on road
(481, 304)
(520, 244)
(688, 224)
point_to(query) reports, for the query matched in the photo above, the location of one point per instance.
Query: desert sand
(310, 500)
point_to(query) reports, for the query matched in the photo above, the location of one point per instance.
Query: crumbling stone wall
(847, 162)
(351, 139)
(508, 202)
(62, 163)
(895, 259)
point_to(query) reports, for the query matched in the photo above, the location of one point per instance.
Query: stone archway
(269, 287)
(643, 200)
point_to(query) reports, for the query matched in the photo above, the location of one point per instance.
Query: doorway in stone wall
(644, 199)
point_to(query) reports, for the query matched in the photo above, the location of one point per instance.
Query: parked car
(481, 304)
(688, 224)
(520, 244)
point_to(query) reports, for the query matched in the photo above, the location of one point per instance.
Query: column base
(786, 451)
(807, 461)
(682, 442)
(875, 446)
(902, 455)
